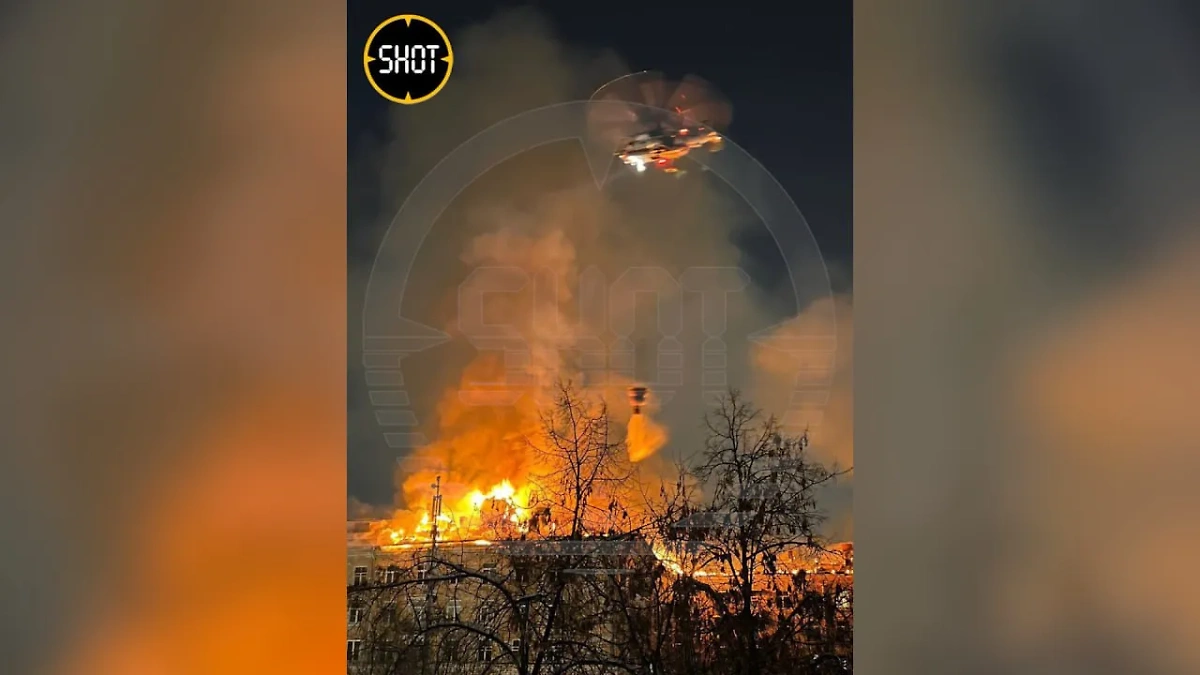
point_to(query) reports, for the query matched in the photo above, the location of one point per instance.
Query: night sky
(790, 82)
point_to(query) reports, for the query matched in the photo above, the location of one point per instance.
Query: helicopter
(661, 146)
(651, 123)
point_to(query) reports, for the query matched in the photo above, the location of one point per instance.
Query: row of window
(453, 612)
(392, 575)
(486, 653)
(483, 654)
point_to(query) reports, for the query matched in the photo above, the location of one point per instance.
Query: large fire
(496, 480)
(503, 508)
(490, 447)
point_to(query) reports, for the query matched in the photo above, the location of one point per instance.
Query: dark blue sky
(790, 80)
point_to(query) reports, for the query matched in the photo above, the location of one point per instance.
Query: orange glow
(838, 559)
(644, 437)
(490, 445)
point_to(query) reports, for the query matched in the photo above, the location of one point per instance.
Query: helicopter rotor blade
(698, 101)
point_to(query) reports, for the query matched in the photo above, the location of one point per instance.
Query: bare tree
(586, 472)
(749, 541)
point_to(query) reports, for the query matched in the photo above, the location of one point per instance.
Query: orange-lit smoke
(479, 447)
(831, 429)
(1107, 397)
(778, 361)
(489, 424)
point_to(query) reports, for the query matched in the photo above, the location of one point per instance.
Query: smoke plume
(830, 429)
(1108, 395)
(525, 272)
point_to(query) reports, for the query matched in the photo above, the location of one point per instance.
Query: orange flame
(489, 422)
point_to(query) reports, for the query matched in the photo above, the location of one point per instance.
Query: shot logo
(408, 59)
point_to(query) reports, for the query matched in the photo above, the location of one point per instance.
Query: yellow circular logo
(408, 59)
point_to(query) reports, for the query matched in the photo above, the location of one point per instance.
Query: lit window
(844, 599)
(353, 649)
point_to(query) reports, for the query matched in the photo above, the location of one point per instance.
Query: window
(484, 654)
(360, 575)
(489, 568)
(844, 599)
(422, 573)
(515, 645)
(414, 639)
(484, 615)
(353, 649)
(453, 609)
(357, 614)
(389, 611)
(385, 656)
(391, 575)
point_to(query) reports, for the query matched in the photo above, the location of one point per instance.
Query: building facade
(525, 606)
